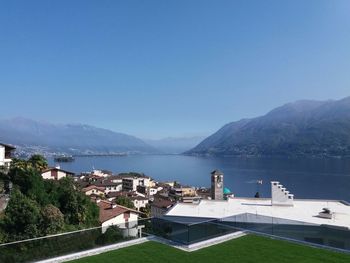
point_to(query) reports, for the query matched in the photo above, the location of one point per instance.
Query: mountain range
(31, 136)
(301, 128)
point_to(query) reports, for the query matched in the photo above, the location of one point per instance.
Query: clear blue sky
(169, 68)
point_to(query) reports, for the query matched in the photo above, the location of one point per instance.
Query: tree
(19, 164)
(76, 206)
(30, 183)
(125, 201)
(52, 220)
(40, 207)
(38, 162)
(146, 211)
(22, 217)
(111, 235)
(3, 236)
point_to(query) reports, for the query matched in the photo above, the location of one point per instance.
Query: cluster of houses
(172, 201)
(149, 198)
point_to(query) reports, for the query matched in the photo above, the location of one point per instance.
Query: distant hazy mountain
(175, 145)
(68, 138)
(313, 128)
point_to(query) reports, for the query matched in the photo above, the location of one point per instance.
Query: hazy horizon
(194, 136)
(160, 69)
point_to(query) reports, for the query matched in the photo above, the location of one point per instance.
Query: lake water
(305, 178)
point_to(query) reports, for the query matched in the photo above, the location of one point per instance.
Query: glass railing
(32, 250)
(326, 235)
(183, 230)
(189, 232)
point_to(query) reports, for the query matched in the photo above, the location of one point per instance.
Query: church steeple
(217, 185)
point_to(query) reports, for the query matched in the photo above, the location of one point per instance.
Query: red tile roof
(138, 198)
(107, 212)
(93, 187)
(162, 203)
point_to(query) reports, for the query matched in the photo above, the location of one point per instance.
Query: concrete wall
(46, 175)
(2, 154)
(121, 223)
(52, 174)
(61, 174)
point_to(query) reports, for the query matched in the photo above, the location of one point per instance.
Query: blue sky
(169, 68)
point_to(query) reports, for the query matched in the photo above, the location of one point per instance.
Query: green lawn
(245, 249)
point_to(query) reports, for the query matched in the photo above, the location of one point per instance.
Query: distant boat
(64, 159)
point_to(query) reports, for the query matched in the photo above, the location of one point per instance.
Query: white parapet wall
(280, 195)
(2, 155)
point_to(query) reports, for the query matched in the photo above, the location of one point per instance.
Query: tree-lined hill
(302, 128)
(68, 138)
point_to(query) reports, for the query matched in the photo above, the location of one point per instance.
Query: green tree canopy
(40, 207)
(22, 217)
(52, 220)
(38, 162)
(125, 201)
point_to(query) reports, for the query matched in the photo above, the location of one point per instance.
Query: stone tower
(217, 185)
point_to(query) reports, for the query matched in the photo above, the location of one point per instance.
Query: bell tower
(217, 185)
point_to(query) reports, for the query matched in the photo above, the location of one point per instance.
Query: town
(121, 198)
(183, 214)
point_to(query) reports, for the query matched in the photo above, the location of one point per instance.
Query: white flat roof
(302, 211)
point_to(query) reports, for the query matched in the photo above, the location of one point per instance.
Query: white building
(139, 202)
(182, 191)
(256, 210)
(108, 185)
(155, 190)
(111, 214)
(94, 190)
(101, 173)
(131, 183)
(55, 173)
(6, 154)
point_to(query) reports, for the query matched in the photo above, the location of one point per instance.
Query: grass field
(245, 249)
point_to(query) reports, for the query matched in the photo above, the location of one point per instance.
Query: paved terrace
(305, 211)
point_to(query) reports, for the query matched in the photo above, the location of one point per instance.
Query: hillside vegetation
(302, 128)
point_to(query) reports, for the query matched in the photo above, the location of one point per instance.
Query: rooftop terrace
(305, 211)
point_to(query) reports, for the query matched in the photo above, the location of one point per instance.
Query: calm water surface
(305, 178)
